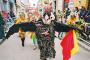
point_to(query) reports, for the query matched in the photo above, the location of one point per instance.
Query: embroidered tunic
(46, 42)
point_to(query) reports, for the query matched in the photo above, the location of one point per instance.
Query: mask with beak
(48, 18)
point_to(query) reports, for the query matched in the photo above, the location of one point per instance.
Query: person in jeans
(1, 27)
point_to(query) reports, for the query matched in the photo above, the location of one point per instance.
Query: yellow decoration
(76, 47)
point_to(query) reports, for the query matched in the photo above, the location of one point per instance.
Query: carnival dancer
(32, 35)
(21, 19)
(45, 36)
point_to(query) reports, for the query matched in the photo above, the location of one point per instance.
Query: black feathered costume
(29, 26)
(24, 26)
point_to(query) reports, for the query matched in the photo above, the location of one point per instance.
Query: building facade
(79, 3)
(1, 5)
(59, 5)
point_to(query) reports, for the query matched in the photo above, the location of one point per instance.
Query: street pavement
(11, 49)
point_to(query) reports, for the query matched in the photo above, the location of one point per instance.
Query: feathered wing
(60, 27)
(24, 26)
(15, 28)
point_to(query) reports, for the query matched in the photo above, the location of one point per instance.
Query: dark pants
(87, 19)
(1, 32)
(23, 39)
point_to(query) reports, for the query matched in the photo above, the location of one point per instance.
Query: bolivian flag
(69, 45)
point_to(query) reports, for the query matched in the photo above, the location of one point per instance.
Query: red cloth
(67, 45)
(66, 1)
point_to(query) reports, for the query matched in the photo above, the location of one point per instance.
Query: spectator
(12, 14)
(82, 12)
(60, 15)
(87, 17)
(1, 27)
(76, 12)
(67, 12)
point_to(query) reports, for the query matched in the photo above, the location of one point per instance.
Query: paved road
(11, 49)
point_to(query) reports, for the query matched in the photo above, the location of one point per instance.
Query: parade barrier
(84, 44)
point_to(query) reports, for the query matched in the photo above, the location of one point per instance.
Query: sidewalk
(0, 40)
(84, 44)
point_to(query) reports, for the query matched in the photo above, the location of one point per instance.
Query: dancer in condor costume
(45, 35)
(44, 30)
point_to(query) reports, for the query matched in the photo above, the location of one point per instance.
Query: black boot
(23, 39)
(43, 59)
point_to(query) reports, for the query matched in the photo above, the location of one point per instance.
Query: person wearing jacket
(87, 17)
(1, 27)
